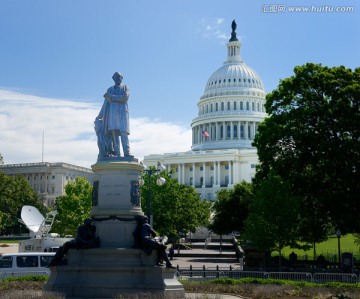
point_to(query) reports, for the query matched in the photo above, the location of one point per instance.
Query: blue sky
(57, 59)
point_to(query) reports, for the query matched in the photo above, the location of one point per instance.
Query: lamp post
(160, 181)
(338, 234)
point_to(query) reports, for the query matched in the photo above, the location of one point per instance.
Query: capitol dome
(232, 105)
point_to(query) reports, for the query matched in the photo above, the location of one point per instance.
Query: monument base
(112, 273)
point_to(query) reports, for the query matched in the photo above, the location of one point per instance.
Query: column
(217, 131)
(194, 174)
(214, 173)
(246, 131)
(204, 176)
(230, 172)
(218, 173)
(231, 130)
(179, 172)
(183, 174)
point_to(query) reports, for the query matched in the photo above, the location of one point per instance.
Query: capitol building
(229, 113)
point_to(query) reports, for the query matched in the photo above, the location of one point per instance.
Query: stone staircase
(215, 248)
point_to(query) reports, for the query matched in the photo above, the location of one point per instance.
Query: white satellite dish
(32, 218)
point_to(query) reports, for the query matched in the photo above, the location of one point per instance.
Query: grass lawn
(329, 249)
(9, 241)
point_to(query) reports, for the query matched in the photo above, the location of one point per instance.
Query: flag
(205, 134)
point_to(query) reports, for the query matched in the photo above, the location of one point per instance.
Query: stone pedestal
(115, 269)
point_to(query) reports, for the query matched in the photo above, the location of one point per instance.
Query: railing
(203, 273)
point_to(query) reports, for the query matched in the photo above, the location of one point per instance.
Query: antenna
(32, 218)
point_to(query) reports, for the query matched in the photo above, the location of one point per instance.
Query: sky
(57, 59)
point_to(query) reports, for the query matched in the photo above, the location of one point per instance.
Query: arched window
(241, 106)
(222, 106)
(235, 106)
(216, 107)
(228, 105)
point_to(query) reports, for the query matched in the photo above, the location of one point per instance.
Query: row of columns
(217, 174)
(248, 129)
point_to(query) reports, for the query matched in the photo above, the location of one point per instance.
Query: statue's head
(117, 77)
(87, 221)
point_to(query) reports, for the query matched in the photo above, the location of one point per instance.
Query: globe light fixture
(160, 181)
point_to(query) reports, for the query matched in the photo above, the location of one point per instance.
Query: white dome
(232, 106)
(233, 76)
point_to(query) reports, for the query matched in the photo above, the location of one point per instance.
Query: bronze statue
(85, 239)
(144, 236)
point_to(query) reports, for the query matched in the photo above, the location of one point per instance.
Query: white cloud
(69, 133)
(213, 29)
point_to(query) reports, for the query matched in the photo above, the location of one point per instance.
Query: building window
(226, 180)
(222, 106)
(216, 106)
(253, 106)
(242, 132)
(211, 107)
(229, 80)
(228, 131)
(258, 107)
(53, 177)
(252, 165)
(212, 181)
(201, 181)
(235, 131)
(241, 106)
(211, 167)
(221, 132)
(234, 80)
(226, 167)
(201, 168)
(235, 107)
(191, 181)
(228, 105)
(247, 106)
(191, 169)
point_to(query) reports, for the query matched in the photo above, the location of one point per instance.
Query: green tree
(15, 192)
(273, 218)
(1, 159)
(232, 208)
(312, 140)
(175, 207)
(73, 207)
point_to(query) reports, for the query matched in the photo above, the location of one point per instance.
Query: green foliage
(73, 207)
(312, 141)
(272, 222)
(14, 194)
(26, 278)
(232, 208)
(249, 280)
(175, 207)
(1, 159)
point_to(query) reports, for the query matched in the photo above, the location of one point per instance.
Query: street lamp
(160, 181)
(338, 234)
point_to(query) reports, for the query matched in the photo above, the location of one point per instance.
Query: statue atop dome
(233, 25)
(233, 33)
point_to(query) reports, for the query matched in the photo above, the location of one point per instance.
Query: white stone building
(229, 113)
(48, 179)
